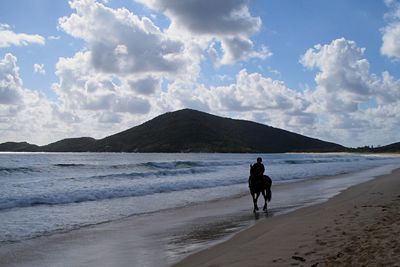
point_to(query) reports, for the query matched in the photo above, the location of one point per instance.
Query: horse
(260, 184)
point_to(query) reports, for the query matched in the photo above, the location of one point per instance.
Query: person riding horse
(259, 184)
(257, 170)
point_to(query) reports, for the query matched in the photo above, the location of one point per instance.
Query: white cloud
(132, 104)
(130, 70)
(86, 106)
(205, 21)
(145, 86)
(251, 96)
(53, 37)
(9, 38)
(338, 109)
(23, 113)
(347, 97)
(39, 68)
(348, 105)
(208, 17)
(10, 82)
(391, 41)
(121, 42)
(80, 87)
(391, 32)
(344, 80)
(237, 48)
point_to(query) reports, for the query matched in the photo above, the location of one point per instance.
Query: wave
(188, 164)
(316, 161)
(84, 195)
(11, 170)
(139, 175)
(172, 165)
(69, 165)
(154, 165)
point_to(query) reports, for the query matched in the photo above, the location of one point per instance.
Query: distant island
(190, 130)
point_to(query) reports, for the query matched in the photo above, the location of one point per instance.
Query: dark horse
(260, 184)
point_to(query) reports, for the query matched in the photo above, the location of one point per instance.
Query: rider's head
(259, 159)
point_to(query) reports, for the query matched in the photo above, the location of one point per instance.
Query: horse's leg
(265, 200)
(255, 201)
(253, 196)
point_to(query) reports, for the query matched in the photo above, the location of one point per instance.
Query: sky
(328, 69)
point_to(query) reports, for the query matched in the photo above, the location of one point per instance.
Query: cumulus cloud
(53, 37)
(39, 68)
(252, 96)
(10, 82)
(349, 100)
(132, 104)
(121, 42)
(130, 70)
(145, 86)
(22, 111)
(228, 21)
(391, 32)
(82, 88)
(227, 17)
(344, 80)
(87, 104)
(109, 118)
(237, 48)
(9, 38)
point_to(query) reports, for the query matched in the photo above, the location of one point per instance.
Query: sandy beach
(358, 227)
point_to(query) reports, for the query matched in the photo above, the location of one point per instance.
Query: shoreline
(358, 227)
(162, 239)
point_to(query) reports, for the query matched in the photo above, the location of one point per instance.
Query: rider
(258, 168)
(256, 172)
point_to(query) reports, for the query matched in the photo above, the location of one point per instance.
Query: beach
(358, 227)
(308, 223)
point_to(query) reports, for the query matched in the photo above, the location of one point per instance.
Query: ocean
(46, 193)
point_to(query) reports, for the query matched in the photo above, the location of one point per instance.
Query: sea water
(46, 193)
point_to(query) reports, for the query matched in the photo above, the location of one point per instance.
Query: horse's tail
(268, 195)
(268, 184)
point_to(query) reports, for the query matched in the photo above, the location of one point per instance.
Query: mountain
(81, 144)
(189, 130)
(392, 148)
(194, 131)
(19, 147)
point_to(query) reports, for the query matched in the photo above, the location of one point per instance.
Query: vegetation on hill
(19, 147)
(193, 131)
(189, 130)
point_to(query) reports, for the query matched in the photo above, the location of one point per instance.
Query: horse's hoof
(265, 208)
(256, 208)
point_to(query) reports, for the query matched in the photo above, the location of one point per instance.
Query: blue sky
(326, 69)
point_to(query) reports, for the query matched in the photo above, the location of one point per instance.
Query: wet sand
(164, 238)
(359, 227)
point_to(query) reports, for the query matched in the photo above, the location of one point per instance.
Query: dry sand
(359, 227)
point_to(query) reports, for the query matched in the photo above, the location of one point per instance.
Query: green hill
(194, 131)
(392, 148)
(81, 144)
(19, 147)
(189, 130)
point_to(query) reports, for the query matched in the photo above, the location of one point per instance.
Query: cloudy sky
(326, 69)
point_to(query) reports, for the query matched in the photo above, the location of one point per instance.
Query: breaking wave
(83, 195)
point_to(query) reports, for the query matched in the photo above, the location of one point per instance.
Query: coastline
(164, 238)
(358, 227)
